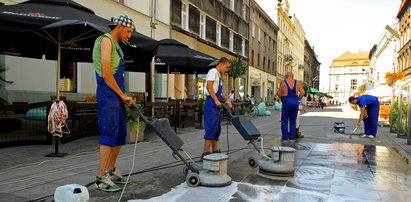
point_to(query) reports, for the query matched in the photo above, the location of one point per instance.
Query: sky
(333, 27)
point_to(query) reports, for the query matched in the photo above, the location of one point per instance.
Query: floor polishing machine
(278, 164)
(214, 172)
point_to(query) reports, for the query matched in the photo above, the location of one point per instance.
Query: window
(211, 29)
(259, 35)
(252, 57)
(225, 37)
(218, 34)
(232, 6)
(231, 41)
(242, 46)
(353, 84)
(253, 30)
(194, 19)
(244, 11)
(264, 63)
(176, 13)
(119, 1)
(202, 26)
(258, 59)
(184, 16)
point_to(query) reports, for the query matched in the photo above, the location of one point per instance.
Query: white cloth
(304, 101)
(213, 75)
(232, 96)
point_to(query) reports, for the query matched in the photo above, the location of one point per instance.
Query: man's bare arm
(280, 91)
(106, 74)
(210, 90)
(301, 90)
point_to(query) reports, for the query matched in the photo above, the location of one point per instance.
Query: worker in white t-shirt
(214, 92)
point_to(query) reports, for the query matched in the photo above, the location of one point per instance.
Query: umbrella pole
(58, 70)
(168, 75)
(56, 138)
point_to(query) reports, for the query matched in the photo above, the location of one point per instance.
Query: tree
(237, 69)
(362, 88)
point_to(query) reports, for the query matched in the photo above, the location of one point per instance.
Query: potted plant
(246, 110)
(133, 125)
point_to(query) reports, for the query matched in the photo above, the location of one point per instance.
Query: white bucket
(71, 193)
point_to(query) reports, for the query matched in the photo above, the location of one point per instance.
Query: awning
(313, 90)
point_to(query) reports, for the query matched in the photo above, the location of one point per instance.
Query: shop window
(68, 76)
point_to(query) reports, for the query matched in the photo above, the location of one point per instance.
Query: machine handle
(135, 113)
(227, 109)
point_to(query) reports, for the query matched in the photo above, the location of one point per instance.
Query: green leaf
(129, 118)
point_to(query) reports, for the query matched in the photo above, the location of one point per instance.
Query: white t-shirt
(232, 96)
(213, 75)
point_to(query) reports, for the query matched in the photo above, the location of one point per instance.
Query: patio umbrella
(381, 91)
(181, 59)
(313, 90)
(61, 28)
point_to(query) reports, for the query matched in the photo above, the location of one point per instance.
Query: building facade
(217, 27)
(347, 73)
(298, 50)
(404, 49)
(383, 57)
(285, 56)
(262, 54)
(311, 67)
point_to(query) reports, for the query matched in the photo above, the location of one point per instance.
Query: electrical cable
(155, 168)
(134, 160)
(228, 139)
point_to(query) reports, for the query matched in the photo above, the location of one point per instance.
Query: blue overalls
(212, 119)
(111, 109)
(289, 112)
(373, 111)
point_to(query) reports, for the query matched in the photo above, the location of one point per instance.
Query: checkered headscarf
(123, 20)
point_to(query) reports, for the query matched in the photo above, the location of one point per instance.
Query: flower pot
(132, 134)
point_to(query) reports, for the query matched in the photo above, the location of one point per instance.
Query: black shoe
(218, 151)
(204, 154)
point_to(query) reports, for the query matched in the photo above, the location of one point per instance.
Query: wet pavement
(324, 172)
(328, 166)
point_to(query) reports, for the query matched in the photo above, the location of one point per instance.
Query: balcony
(288, 58)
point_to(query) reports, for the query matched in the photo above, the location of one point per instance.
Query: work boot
(116, 177)
(105, 184)
(204, 154)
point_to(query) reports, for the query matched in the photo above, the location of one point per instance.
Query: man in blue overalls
(370, 110)
(108, 62)
(290, 99)
(212, 120)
